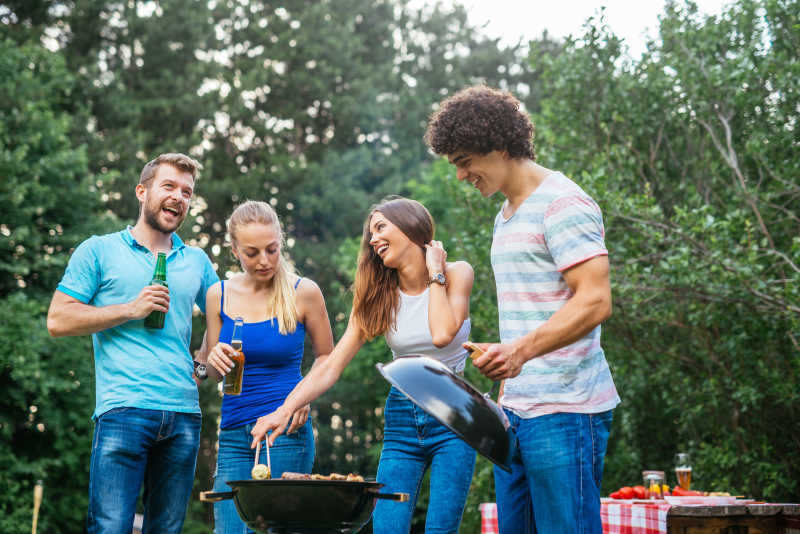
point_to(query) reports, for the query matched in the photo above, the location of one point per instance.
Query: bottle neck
(161, 268)
(238, 326)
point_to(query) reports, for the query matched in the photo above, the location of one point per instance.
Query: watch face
(439, 278)
(200, 370)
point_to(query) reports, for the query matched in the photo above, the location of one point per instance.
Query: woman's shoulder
(459, 268)
(232, 287)
(306, 288)
(214, 290)
(308, 297)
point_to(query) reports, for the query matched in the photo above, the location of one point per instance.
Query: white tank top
(413, 335)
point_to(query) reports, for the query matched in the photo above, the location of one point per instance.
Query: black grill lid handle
(399, 497)
(216, 496)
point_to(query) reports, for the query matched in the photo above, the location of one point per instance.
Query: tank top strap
(298, 281)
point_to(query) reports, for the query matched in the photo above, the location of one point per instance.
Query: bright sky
(632, 20)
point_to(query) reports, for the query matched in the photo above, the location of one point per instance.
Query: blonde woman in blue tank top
(279, 310)
(406, 291)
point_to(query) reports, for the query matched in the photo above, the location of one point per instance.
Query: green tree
(690, 152)
(49, 203)
(137, 78)
(321, 108)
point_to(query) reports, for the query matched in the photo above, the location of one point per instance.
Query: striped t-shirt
(557, 227)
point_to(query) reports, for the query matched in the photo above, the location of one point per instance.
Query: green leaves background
(319, 107)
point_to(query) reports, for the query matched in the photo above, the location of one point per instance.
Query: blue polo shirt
(134, 366)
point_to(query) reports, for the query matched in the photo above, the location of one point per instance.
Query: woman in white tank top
(406, 291)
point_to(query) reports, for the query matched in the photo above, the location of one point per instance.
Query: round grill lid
(455, 403)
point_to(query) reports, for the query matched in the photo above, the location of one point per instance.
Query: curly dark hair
(478, 120)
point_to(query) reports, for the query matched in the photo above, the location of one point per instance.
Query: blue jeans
(413, 441)
(291, 452)
(132, 446)
(554, 484)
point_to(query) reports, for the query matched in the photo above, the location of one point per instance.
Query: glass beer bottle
(233, 380)
(155, 320)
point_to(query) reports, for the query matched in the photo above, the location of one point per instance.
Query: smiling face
(165, 199)
(388, 241)
(487, 173)
(257, 246)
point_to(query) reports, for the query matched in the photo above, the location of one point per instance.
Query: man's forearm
(201, 354)
(577, 318)
(77, 319)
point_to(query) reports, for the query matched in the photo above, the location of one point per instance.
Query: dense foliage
(692, 153)
(49, 204)
(319, 108)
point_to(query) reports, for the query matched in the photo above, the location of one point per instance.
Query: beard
(152, 211)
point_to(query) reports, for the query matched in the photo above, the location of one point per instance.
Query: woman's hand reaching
(299, 418)
(273, 424)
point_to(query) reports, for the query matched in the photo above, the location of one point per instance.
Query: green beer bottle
(156, 318)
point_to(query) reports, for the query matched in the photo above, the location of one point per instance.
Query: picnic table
(659, 517)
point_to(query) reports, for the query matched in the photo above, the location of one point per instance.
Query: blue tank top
(271, 367)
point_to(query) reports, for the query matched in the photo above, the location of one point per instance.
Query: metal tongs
(261, 471)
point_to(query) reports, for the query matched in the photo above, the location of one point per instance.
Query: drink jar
(653, 484)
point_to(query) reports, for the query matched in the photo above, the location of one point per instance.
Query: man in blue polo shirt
(147, 414)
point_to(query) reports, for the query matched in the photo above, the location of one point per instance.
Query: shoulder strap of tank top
(298, 282)
(222, 296)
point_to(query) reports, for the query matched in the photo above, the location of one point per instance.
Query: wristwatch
(200, 370)
(437, 278)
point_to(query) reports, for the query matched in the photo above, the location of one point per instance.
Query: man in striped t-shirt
(551, 269)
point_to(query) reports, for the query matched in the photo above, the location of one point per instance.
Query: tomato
(615, 495)
(626, 492)
(639, 492)
(678, 491)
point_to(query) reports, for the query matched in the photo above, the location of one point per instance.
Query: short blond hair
(181, 162)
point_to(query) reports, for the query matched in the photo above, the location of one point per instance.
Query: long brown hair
(282, 302)
(376, 298)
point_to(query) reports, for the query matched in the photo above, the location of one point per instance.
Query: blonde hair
(282, 303)
(181, 162)
(375, 294)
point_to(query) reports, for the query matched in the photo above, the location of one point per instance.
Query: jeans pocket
(299, 437)
(115, 411)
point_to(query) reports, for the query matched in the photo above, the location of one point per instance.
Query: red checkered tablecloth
(488, 518)
(618, 518)
(634, 518)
